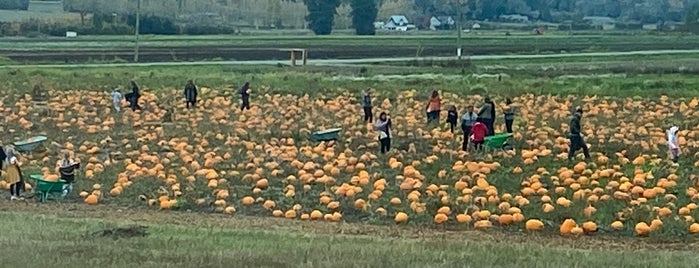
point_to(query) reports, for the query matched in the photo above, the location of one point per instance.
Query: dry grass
(22, 15)
(64, 236)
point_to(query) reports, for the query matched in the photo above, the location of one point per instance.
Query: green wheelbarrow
(46, 189)
(498, 141)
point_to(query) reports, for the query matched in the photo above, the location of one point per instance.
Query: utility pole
(458, 34)
(138, 28)
(458, 29)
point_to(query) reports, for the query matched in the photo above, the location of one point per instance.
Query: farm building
(441, 23)
(398, 23)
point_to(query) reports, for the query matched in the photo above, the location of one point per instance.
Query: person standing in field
(366, 105)
(134, 96)
(486, 116)
(492, 115)
(434, 107)
(190, 94)
(673, 143)
(509, 112)
(452, 117)
(383, 126)
(116, 99)
(576, 140)
(245, 96)
(12, 174)
(467, 121)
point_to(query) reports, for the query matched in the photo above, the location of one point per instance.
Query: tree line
(320, 15)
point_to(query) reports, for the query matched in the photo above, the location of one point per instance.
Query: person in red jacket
(478, 133)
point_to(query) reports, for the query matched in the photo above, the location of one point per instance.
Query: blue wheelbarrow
(326, 135)
(30, 144)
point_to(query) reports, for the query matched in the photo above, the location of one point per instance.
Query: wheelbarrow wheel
(507, 147)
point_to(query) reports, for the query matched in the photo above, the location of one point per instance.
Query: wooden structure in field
(292, 55)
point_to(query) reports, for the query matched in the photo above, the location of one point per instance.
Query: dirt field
(268, 52)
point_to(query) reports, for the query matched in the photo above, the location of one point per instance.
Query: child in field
(116, 99)
(452, 117)
(66, 167)
(673, 143)
(478, 133)
(467, 121)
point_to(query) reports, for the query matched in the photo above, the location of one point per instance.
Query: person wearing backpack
(467, 121)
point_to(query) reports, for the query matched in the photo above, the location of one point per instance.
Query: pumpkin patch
(264, 162)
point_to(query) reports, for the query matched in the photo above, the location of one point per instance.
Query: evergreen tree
(364, 14)
(321, 15)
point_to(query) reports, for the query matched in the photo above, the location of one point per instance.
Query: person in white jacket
(673, 143)
(383, 126)
(116, 99)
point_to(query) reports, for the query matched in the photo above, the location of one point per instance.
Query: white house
(398, 23)
(441, 23)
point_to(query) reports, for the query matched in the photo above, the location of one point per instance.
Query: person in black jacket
(190, 94)
(452, 117)
(366, 105)
(576, 139)
(245, 96)
(491, 128)
(134, 96)
(3, 157)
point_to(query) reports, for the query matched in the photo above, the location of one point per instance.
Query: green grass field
(617, 76)
(62, 237)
